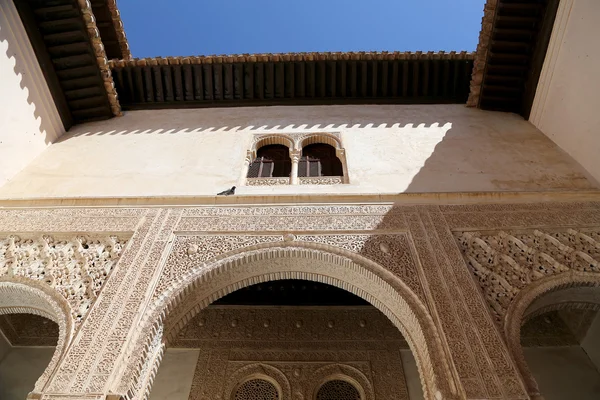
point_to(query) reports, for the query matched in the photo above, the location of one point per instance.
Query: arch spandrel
(208, 281)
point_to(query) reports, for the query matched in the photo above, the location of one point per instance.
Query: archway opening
(560, 339)
(27, 345)
(282, 339)
(319, 159)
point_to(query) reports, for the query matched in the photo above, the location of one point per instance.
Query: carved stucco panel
(85, 371)
(76, 268)
(278, 219)
(505, 262)
(498, 373)
(391, 251)
(444, 308)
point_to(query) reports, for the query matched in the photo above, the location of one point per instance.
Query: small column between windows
(295, 156)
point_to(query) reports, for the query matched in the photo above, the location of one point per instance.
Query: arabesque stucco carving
(405, 260)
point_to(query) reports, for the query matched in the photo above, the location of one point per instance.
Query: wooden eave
(293, 79)
(512, 45)
(110, 26)
(63, 37)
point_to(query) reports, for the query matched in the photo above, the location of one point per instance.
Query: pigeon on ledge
(227, 192)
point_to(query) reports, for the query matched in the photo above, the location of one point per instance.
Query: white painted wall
(174, 378)
(20, 368)
(389, 149)
(29, 121)
(564, 373)
(567, 102)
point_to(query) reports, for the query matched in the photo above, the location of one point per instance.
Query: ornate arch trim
(324, 138)
(344, 373)
(297, 260)
(520, 309)
(258, 371)
(266, 140)
(23, 295)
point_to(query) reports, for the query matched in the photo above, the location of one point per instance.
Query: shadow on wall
(435, 148)
(497, 151)
(262, 119)
(25, 65)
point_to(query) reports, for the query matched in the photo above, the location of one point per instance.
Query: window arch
(271, 161)
(319, 159)
(338, 389)
(256, 389)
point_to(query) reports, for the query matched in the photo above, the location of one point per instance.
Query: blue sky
(204, 27)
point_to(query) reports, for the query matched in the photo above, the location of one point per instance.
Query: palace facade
(390, 226)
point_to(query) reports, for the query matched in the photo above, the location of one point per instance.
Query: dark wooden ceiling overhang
(511, 51)
(66, 43)
(110, 26)
(293, 79)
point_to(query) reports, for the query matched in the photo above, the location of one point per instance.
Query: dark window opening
(319, 160)
(272, 161)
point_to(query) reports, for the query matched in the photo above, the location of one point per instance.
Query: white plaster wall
(564, 373)
(567, 102)
(411, 374)
(389, 149)
(174, 378)
(29, 121)
(20, 369)
(591, 342)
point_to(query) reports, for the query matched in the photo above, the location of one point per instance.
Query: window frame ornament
(295, 143)
(260, 371)
(345, 373)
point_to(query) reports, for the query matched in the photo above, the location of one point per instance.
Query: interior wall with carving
(567, 98)
(224, 345)
(388, 149)
(30, 121)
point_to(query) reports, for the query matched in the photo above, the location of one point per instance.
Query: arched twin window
(315, 160)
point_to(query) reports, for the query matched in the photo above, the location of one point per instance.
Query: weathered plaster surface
(591, 342)
(19, 370)
(174, 379)
(389, 149)
(4, 347)
(29, 121)
(568, 95)
(564, 373)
